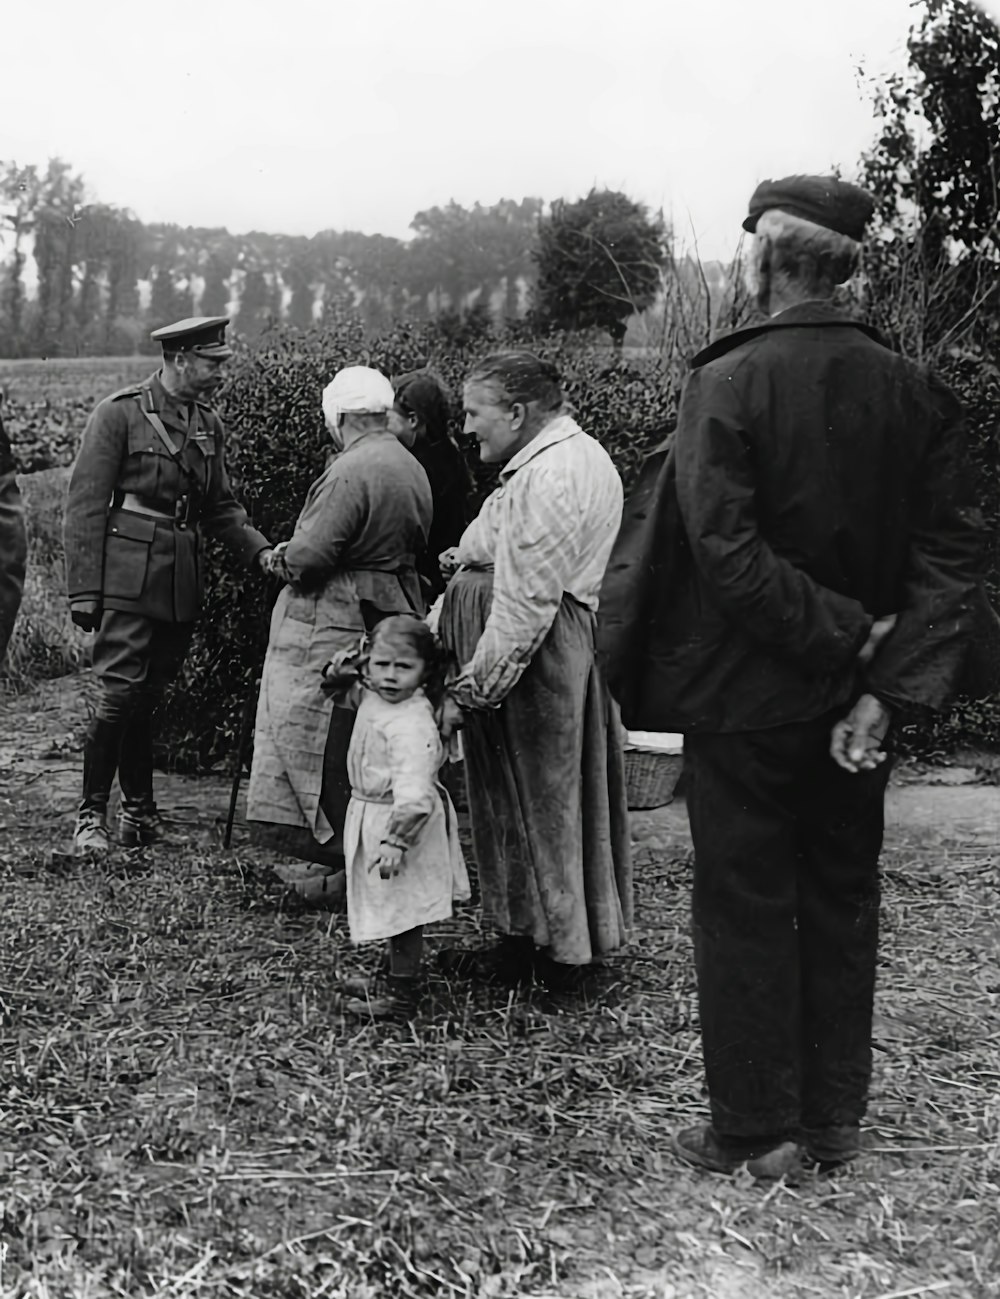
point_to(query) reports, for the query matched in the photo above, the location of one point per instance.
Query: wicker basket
(650, 778)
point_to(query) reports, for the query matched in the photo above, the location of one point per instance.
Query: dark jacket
(130, 561)
(368, 515)
(453, 492)
(13, 543)
(820, 481)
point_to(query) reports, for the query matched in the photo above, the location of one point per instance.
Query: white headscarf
(357, 390)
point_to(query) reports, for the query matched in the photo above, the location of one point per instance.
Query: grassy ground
(45, 643)
(185, 1111)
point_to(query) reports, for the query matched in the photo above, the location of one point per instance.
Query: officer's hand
(855, 741)
(265, 559)
(86, 614)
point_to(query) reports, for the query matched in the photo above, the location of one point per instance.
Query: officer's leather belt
(141, 505)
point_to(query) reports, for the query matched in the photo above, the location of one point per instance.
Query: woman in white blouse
(542, 742)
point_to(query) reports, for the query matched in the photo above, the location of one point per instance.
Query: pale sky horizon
(306, 116)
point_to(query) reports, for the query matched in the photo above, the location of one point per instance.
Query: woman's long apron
(546, 784)
(299, 788)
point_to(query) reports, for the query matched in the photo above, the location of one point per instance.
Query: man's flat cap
(825, 200)
(203, 335)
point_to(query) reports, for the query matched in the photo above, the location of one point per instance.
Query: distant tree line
(84, 278)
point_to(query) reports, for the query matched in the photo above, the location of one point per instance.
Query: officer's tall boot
(139, 822)
(100, 762)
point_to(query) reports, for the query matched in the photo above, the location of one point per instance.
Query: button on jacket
(132, 561)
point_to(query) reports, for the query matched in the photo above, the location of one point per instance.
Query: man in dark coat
(150, 478)
(829, 561)
(13, 542)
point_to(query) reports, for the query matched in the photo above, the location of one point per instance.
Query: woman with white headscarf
(350, 561)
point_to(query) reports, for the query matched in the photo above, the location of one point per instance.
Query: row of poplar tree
(101, 279)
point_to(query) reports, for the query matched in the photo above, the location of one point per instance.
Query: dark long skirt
(546, 785)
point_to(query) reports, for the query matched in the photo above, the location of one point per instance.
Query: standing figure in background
(149, 479)
(13, 542)
(420, 419)
(826, 571)
(350, 562)
(543, 745)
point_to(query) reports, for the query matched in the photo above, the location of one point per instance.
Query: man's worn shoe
(90, 837)
(832, 1145)
(701, 1148)
(139, 827)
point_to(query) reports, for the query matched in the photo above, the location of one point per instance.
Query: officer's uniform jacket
(13, 543)
(132, 561)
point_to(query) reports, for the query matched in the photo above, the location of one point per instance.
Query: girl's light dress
(393, 763)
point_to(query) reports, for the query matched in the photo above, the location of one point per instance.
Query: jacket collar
(819, 313)
(173, 412)
(558, 430)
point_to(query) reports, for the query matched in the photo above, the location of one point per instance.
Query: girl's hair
(414, 632)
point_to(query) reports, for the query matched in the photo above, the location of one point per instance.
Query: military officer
(13, 542)
(149, 479)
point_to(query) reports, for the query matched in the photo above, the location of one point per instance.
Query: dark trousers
(135, 659)
(785, 911)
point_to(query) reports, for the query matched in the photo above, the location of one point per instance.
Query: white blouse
(547, 530)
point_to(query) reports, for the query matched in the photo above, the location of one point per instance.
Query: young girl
(404, 864)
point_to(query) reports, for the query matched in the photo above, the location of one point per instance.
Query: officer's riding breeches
(135, 659)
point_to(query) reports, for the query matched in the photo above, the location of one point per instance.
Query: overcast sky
(303, 115)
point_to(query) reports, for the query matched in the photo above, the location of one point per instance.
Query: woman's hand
(450, 718)
(389, 861)
(272, 562)
(449, 563)
(342, 671)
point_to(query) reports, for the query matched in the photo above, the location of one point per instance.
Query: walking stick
(246, 721)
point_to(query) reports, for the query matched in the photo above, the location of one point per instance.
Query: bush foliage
(971, 723)
(277, 445)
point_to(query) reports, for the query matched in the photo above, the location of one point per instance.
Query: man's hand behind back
(855, 743)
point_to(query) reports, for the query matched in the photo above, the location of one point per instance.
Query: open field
(46, 402)
(185, 1111)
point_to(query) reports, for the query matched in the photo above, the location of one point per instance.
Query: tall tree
(19, 195)
(459, 251)
(122, 327)
(599, 262)
(60, 209)
(935, 172)
(257, 306)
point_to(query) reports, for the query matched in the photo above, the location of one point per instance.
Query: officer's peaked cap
(202, 335)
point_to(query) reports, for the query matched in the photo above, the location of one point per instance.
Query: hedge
(277, 445)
